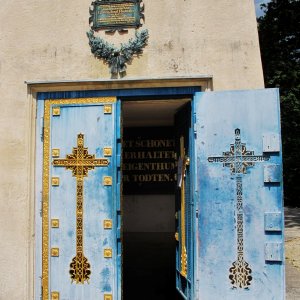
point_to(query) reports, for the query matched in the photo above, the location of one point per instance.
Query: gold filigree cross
(80, 162)
(238, 159)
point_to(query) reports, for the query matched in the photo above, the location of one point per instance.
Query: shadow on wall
(292, 217)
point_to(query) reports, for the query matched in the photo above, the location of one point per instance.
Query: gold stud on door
(107, 180)
(54, 295)
(108, 253)
(56, 111)
(107, 224)
(54, 223)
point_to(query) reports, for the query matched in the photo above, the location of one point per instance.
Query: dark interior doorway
(148, 201)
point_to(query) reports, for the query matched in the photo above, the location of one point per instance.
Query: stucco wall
(46, 40)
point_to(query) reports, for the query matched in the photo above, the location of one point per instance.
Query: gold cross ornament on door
(80, 162)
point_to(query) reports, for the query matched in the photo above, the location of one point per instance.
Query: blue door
(81, 250)
(184, 218)
(239, 244)
(230, 216)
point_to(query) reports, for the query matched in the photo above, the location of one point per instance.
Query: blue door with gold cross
(81, 252)
(239, 244)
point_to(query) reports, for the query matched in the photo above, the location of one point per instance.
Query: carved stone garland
(117, 58)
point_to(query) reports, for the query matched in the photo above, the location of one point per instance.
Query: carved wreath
(117, 58)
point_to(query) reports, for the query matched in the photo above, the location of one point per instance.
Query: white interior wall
(149, 213)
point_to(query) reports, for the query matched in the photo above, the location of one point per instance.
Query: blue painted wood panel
(232, 198)
(100, 203)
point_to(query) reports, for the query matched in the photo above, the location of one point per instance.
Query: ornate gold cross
(80, 162)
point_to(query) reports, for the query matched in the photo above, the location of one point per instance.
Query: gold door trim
(46, 178)
(183, 258)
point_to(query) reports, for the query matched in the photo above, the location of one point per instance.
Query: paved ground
(292, 253)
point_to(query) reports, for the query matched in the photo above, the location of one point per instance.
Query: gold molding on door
(185, 162)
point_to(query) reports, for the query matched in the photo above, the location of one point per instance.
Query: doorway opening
(150, 152)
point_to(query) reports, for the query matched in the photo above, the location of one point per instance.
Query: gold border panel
(92, 100)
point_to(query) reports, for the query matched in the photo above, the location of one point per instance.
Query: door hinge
(194, 124)
(41, 207)
(197, 287)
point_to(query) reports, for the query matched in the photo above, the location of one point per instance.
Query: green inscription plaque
(116, 15)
